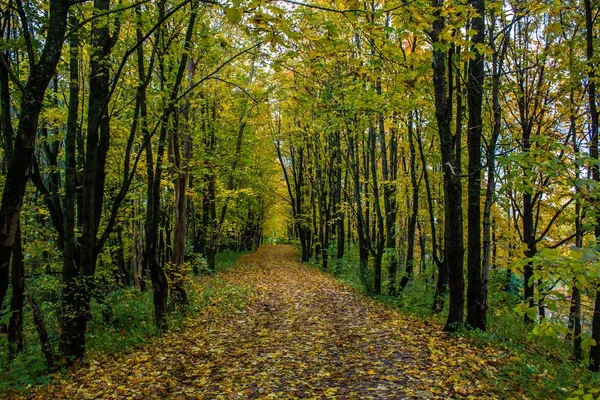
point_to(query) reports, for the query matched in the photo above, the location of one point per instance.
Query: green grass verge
(540, 367)
(131, 322)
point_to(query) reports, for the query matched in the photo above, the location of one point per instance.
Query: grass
(227, 260)
(539, 367)
(131, 321)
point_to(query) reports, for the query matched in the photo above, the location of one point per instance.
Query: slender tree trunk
(181, 156)
(361, 225)
(389, 172)
(145, 255)
(453, 232)
(211, 206)
(78, 291)
(476, 294)
(574, 331)
(119, 260)
(378, 223)
(19, 166)
(488, 234)
(7, 136)
(70, 269)
(6, 127)
(15, 324)
(160, 288)
(531, 250)
(210, 195)
(137, 259)
(574, 328)
(442, 277)
(412, 223)
(341, 214)
(589, 26)
(336, 196)
(40, 326)
(324, 205)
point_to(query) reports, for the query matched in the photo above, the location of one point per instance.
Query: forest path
(301, 334)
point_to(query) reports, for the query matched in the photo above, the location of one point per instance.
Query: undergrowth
(124, 320)
(539, 367)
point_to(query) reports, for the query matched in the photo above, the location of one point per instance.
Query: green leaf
(587, 343)
(234, 15)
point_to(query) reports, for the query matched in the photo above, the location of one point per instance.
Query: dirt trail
(302, 335)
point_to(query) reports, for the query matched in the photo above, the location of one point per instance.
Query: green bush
(131, 320)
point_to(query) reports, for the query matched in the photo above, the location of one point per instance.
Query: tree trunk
(453, 232)
(574, 327)
(412, 223)
(379, 230)
(40, 326)
(78, 292)
(476, 295)
(595, 350)
(158, 276)
(337, 195)
(181, 156)
(361, 225)
(19, 166)
(488, 234)
(15, 324)
(160, 288)
(442, 278)
(137, 259)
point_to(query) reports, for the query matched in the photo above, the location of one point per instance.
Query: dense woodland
(440, 144)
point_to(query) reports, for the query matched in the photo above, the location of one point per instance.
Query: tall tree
(32, 98)
(79, 288)
(593, 111)
(453, 218)
(477, 289)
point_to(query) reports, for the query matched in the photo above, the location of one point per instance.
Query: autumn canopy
(438, 157)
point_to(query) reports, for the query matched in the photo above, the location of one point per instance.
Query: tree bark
(78, 291)
(15, 324)
(40, 326)
(362, 227)
(453, 229)
(589, 36)
(19, 166)
(476, 290)
(412, 223)
(379, 236)
(488, 235)
(181, 156)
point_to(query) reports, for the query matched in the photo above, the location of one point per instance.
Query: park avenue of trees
(447, 147)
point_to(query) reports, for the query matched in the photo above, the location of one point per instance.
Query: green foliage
(345, 269)
(123, 320)
(46, 287)
(131, 320)
(201, 264)
(540, 366)
(227, 260)
(540, 362)
(26, 370)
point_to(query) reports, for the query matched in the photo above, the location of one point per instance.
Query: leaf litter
(290, 332)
